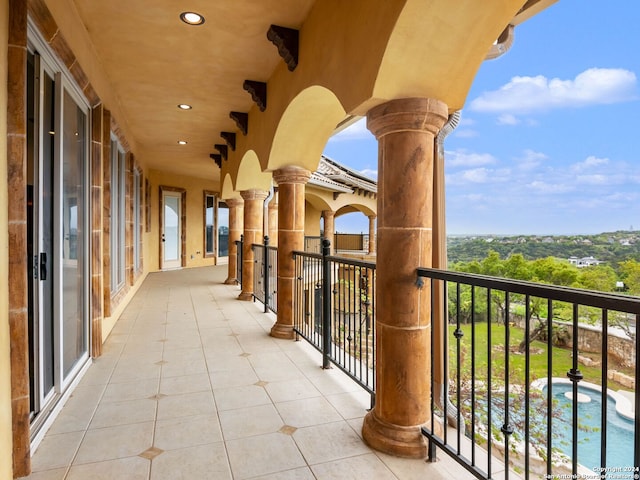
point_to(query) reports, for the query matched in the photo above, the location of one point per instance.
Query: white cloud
(465, 133)
(589, 163)
(477, 176)
(508, 119)
(462, 158)
(369, 172)
(595, 86)
(531, 159)
(547, 188)
(356, 131)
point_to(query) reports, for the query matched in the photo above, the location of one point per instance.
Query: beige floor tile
(124, 413)
(221, 362)
(176, 433)
(307, 412)
(240, 397)
(78, 410)
(204, 462)
(185, 384)
(291, 390)
(129, 372)
(181, 367)
(233, 378)
(248, 422)
(186, 405)
(55, 474)
(119, 392)
(354, 468)
(115, 442)
(261, 455)
(56, 451)
(132, 468)
(303, 473)
(329, 442)
(351, 404)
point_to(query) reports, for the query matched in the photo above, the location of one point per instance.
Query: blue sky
(549, 135)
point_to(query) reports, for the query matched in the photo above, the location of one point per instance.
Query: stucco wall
(195, 188)
(311, 220)
(6, 471)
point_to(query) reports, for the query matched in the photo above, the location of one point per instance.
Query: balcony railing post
(265, 262)
(239, 248)
(326, 303)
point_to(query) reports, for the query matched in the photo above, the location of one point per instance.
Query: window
(209, 224)
(137, 225)
(118, 219)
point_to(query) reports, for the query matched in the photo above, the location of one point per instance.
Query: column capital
(372, 217)
(291, 174)
(254, 194)
(328, 213)
(407, 114)
(233, 202)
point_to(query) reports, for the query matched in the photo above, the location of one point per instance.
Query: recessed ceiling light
(192, 18)
(184, 106)
(182, 142)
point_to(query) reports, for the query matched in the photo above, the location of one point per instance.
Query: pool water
(619, 429)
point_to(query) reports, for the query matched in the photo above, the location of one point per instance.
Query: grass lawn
(561, 361)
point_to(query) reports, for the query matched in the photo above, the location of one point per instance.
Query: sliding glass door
(57, 219)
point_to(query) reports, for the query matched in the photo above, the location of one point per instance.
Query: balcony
(190, 385)
(522, 361)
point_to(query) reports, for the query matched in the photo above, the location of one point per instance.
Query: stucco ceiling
(154, 62)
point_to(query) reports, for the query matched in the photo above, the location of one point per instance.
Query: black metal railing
(335, 312)
(265, 275)
(355, 242)
(502, 389)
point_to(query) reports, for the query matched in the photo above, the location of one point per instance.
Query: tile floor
(191, 386)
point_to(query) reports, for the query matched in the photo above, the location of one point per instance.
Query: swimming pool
(619, 429)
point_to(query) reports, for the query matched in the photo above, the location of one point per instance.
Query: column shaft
(253, 215)
(291, 190)
(405, 130)
(273, 220)
(236, 213)
(372, 234)
(329, 227)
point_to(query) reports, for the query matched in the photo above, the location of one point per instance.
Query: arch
(250, 175)
(355, 207)
(227, 191)
(445, 43)
(318, 201)
(304, 128)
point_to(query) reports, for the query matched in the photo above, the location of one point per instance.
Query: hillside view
(610, 247)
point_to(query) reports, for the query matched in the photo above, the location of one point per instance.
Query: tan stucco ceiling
(143, 61)
(154, 61)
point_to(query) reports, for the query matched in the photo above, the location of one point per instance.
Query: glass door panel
(74, 329)
(171, 234)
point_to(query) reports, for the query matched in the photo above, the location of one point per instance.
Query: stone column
(405, 130)
(372, 234)
(329, 227)
(291, 185)
(253, 208)
(273, 220)
(236, 212)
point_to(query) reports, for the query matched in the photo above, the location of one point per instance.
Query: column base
(406, 442)
(230, 281)
(284, 332)
(245, 296)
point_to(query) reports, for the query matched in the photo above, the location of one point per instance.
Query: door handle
(43, 265)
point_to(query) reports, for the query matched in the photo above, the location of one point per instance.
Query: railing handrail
(591, 298)
(338, 258)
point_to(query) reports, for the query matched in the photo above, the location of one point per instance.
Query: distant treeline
(611, 248)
